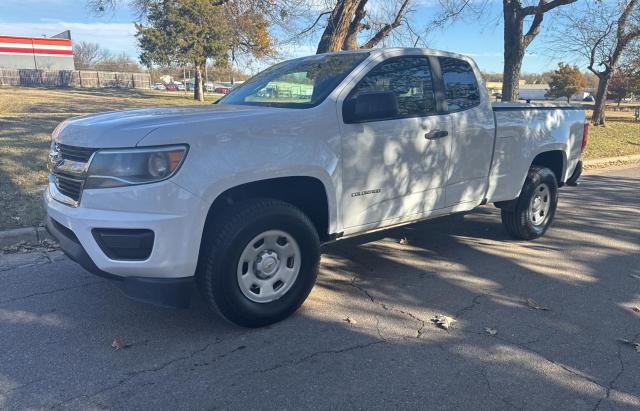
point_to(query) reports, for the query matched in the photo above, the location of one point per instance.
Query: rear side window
(460, 84)
(409, 78)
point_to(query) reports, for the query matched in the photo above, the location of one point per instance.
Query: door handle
(436, 134)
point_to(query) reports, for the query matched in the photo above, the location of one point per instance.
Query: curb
(37, 234)
(27, 235)
(610, 161)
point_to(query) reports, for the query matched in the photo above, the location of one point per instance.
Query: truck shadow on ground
(364, 337)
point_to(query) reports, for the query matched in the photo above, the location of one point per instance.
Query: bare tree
(86, 55)
(118, 62)
(602, 33)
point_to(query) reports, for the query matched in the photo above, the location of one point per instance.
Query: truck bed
(524, 130)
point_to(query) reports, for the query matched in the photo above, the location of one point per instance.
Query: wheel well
(553, 160)
(306, 193)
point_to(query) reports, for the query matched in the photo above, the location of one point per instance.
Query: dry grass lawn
(29, 115)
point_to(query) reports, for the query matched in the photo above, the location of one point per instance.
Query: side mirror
(375, 105)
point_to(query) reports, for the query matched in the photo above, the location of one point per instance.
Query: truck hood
(128, 127)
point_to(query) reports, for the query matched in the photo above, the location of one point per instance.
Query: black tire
(226, 239)
(518, 221)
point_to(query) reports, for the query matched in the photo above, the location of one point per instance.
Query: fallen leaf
(349, 320)
(119, 344)
(404, 241)
(443, 321)
(636, 309)
(535, 305)
(635, 345)
(490, 331)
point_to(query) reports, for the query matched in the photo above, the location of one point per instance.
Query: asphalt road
(57, 324)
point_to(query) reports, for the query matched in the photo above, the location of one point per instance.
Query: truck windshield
(299, 83)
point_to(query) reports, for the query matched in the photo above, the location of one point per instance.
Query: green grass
(620, 137)
(29, 115)
(27, 118)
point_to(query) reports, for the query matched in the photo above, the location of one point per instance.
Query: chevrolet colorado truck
(235, 198)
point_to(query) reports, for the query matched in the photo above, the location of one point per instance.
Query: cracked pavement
(57, 324)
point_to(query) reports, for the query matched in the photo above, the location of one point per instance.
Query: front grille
(69, 187)
(81, 154)
(69, 180)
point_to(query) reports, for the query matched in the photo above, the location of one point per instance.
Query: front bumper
(174, 215)
(166, 292)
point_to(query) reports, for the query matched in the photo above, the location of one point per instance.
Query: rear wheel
(261, 262)
(535, 208)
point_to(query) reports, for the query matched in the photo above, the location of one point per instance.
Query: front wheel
(535, 207)
(261, 262)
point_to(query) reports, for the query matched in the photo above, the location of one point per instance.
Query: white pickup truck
(235, 198)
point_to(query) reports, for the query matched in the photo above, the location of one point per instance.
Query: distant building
(534, 91)
(44, 53)
(496, 86)
(541, 92)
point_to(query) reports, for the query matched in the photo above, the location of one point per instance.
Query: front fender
(219, 186)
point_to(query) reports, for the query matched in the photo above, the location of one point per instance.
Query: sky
(115, 31)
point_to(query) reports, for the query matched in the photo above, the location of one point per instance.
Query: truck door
(473, 134)
(395, 166)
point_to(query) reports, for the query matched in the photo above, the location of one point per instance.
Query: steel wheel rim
(540, 205)
(269, 266)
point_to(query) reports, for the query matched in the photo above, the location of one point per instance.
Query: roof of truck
(408, 50)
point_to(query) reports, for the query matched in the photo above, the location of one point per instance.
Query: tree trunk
(513, 51)
(598, 117)
(513, 55)
(351, 42)
(197, 84)
(335, 33)
(356, 25)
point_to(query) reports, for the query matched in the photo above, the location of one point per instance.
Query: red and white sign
(11, 45)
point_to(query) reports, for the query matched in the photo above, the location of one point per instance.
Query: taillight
(585, 136)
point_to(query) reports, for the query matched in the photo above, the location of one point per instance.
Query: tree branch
(543, 7)
(451, 12)
(356, 24)
(534, 30)
(538, 13)
(623, 39)
(387, 28)
(594, 49)
(308, 29)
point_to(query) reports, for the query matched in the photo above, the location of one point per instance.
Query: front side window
(299, 83)
(409, 78)
(460, 84)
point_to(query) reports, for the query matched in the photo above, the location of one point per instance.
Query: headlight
(118, 168)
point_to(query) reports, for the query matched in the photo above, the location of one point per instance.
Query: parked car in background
(222, 90)
(181, 87)
(171, 87)
(589, 99)
(158, 86)
(209, 87)
(235, 198)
